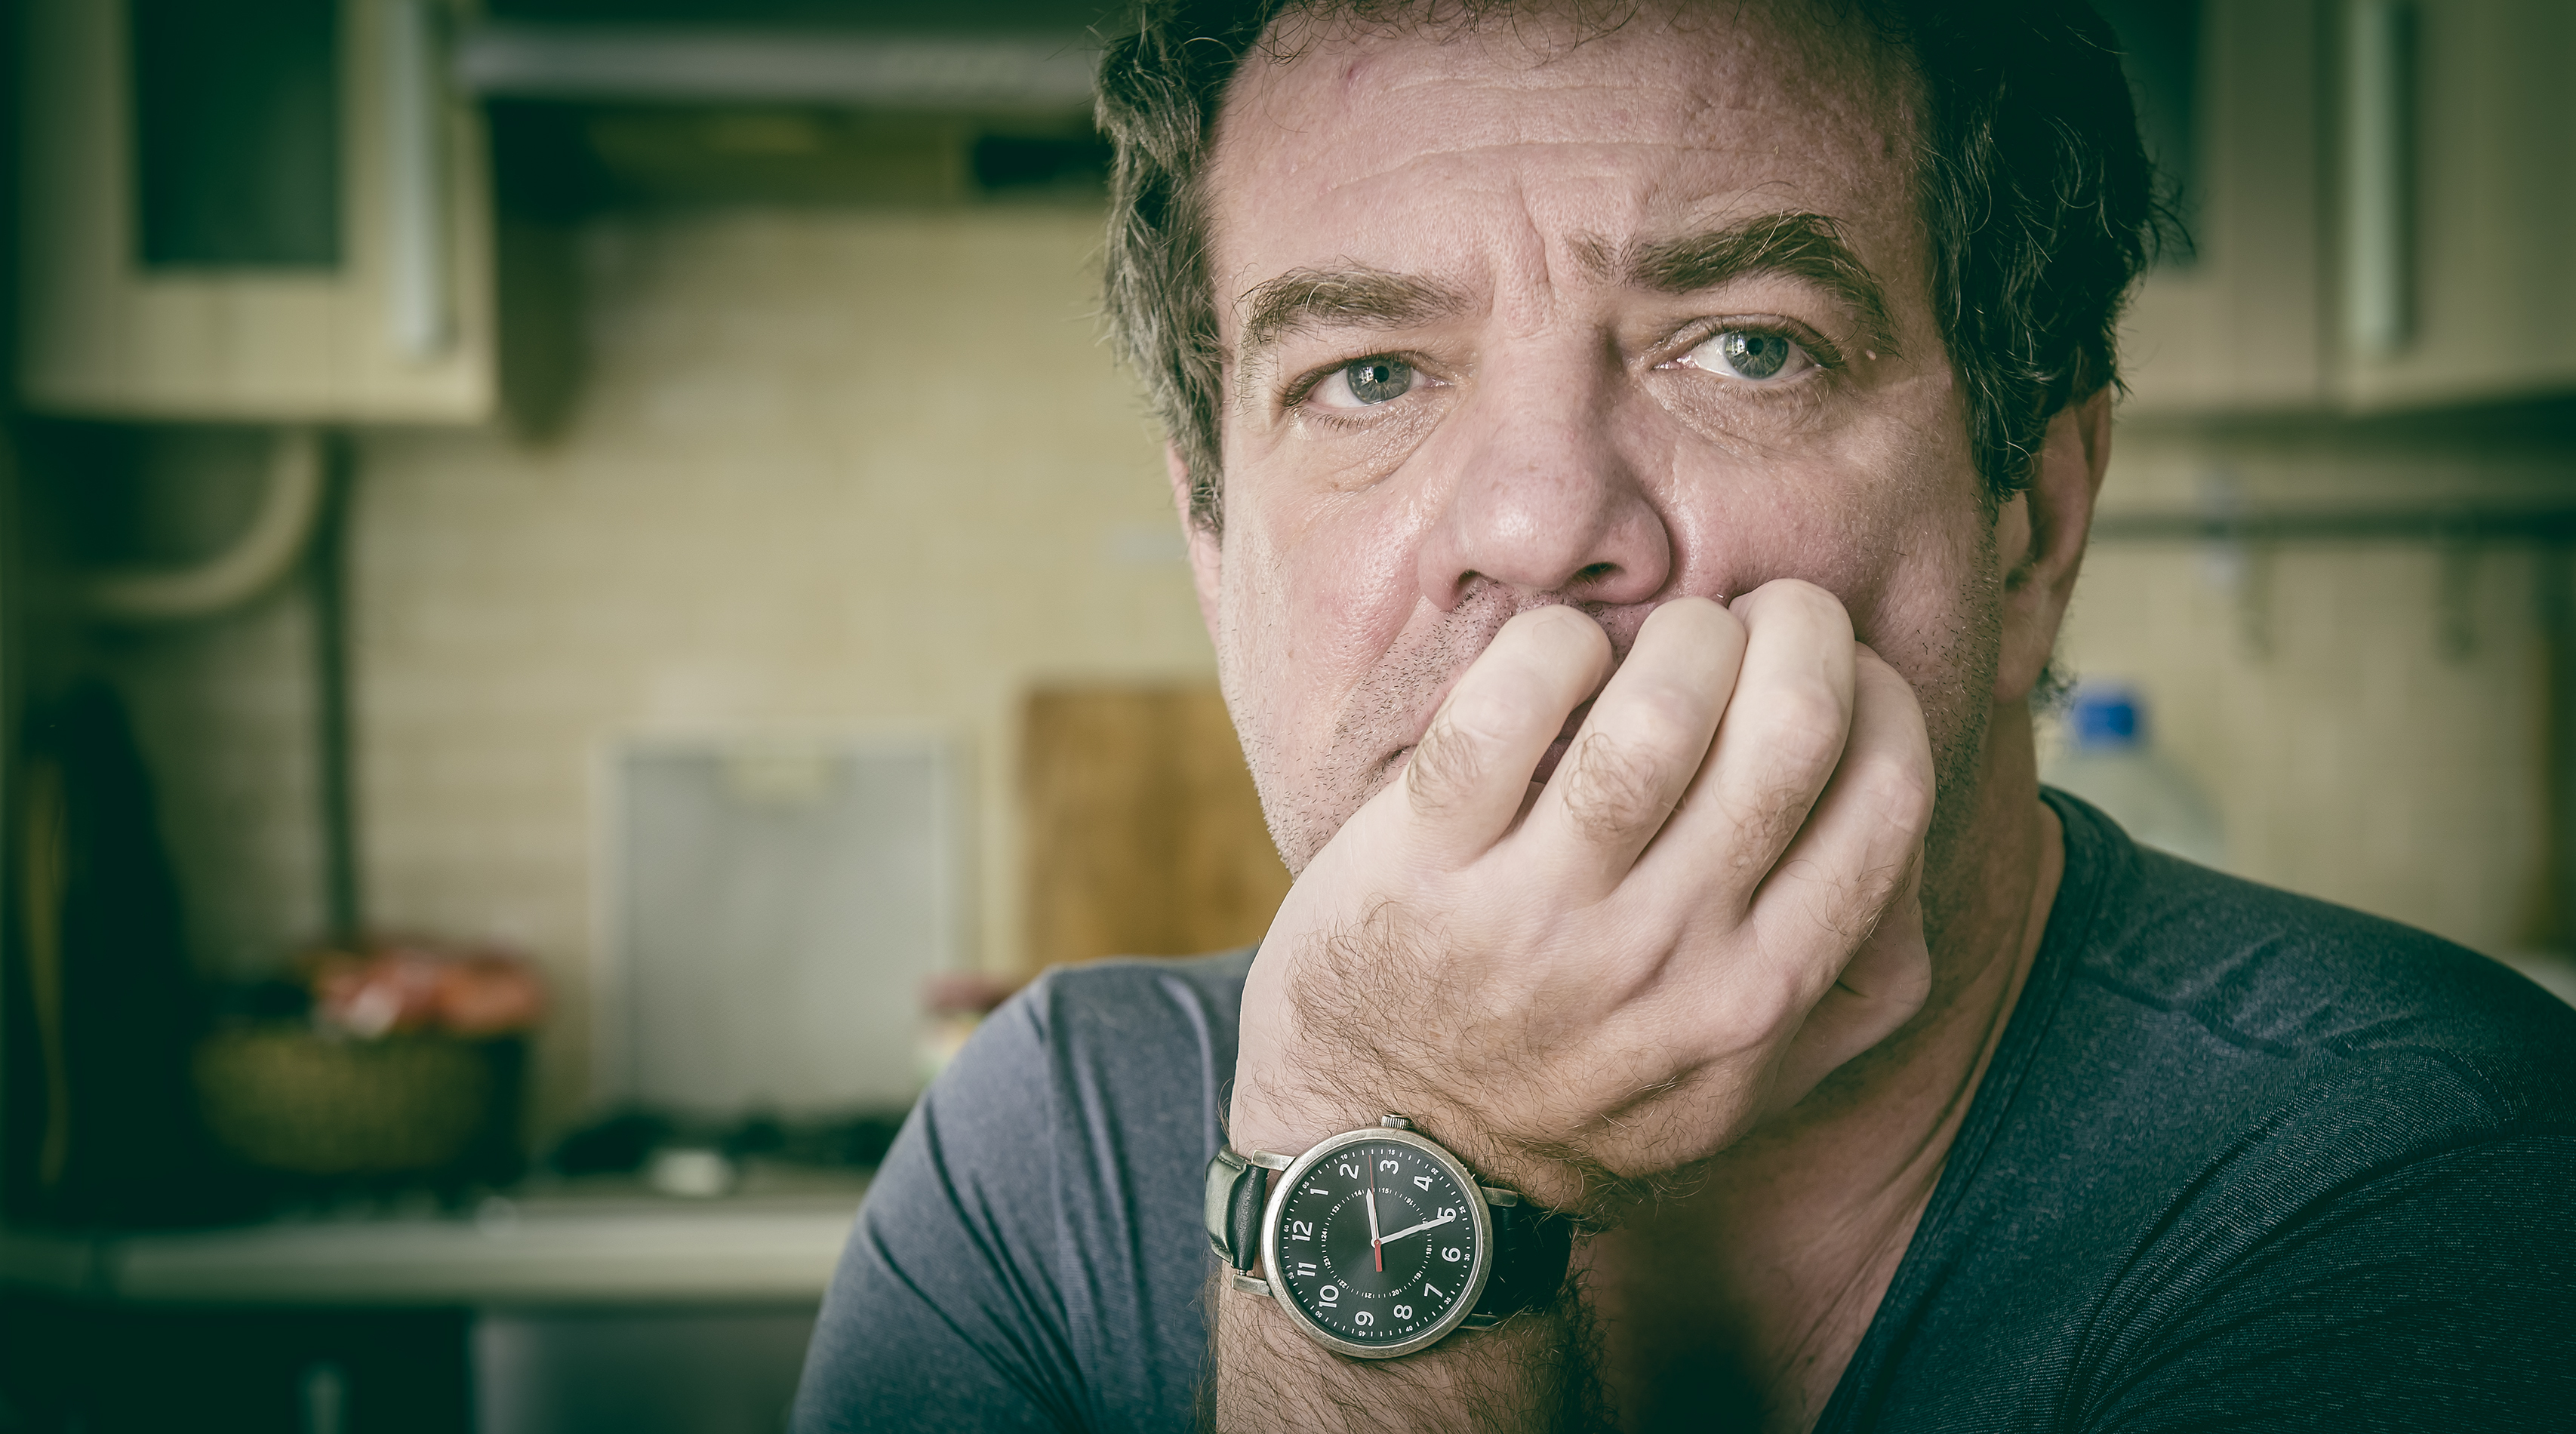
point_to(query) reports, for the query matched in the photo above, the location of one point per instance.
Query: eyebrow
(1806, 246)
(1354, 297)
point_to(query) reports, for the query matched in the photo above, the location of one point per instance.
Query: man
(1636, 462)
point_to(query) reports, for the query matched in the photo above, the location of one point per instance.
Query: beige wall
(2320, 693)
(838, 472)
(831, 473)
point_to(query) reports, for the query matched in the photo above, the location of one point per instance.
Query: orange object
(426, 986)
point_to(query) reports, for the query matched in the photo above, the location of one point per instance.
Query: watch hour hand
(1377, 1245)
(1416, 1230)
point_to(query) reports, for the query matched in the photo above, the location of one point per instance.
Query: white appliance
(774, 911)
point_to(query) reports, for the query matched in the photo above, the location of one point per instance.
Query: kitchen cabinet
(2479, 287)
(109, 1369)
(2235, 324)
(268, 211)
(590, 1306)
(2381, 194)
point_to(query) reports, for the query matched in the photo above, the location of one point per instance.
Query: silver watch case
(1480, 1259)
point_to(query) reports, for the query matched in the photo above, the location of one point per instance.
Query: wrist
(1268, 1114)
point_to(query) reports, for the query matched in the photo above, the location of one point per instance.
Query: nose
(1540, 498)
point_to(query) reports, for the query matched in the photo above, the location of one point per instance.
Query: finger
(1640, 746)
(1856, 860)
(1777, 742)
(1469, 775)
(1884, 986)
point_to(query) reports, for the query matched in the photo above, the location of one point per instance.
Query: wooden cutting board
(1145, 837)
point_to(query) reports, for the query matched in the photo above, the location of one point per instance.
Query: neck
(1779, 1251)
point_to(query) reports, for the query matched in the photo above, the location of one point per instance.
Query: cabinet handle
(2379, 38)
(415, 120)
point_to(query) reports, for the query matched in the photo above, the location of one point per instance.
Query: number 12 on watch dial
(1378, 1241)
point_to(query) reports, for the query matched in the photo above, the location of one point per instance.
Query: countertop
(602, 1241)
(587, 1244)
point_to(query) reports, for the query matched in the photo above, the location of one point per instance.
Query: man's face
(1510, 321)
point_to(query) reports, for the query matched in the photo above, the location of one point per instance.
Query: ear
(2039, 538)
(1206, 555)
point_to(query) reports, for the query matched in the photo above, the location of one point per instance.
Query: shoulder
(2236, 1142)
(1030, 1254)
(2277, 977)
(1130, 1055)
(1119, 1010)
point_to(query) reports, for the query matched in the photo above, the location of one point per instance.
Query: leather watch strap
(1532, 1250)
(1236, 1190)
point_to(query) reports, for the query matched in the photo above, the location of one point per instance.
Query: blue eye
(1376, 380)
(1750, 354)
(1754, 355)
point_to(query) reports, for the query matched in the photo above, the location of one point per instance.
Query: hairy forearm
(1534, 1372)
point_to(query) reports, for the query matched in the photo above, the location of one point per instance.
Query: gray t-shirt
(2242, 1159)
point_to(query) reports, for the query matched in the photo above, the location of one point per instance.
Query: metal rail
(2437, 525)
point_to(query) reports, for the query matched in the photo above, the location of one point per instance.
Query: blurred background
(580, 594)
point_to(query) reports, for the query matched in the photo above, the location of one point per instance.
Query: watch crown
(1395, 1122)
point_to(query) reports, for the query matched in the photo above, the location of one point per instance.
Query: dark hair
(2035, 193)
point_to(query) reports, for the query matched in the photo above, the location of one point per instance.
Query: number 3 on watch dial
(1378, 1241)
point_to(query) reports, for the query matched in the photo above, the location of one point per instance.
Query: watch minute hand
(1416, 1230)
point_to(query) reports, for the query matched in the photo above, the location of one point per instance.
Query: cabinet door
(2484, 205)
(386, 316)
(2236, 327)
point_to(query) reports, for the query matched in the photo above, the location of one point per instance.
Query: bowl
(299, 1102)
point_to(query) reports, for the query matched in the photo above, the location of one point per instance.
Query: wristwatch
(1378, 1242)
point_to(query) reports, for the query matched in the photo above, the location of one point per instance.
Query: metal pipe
(264, 553)
(326, 573)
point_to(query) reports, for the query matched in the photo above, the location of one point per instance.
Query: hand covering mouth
(1547, 760)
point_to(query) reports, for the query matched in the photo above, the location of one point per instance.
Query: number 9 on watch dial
(1378, 1241)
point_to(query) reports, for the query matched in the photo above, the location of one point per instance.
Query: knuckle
(1666, 717)
(1478, 718)
(1765, 817)
(1613, 787)
(1843, 908)
(1877, 888)
(1802, 726)
(1458, 750)
(1899, 790)
(1447, 764)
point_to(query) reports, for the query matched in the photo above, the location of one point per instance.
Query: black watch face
(1376, 1243)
